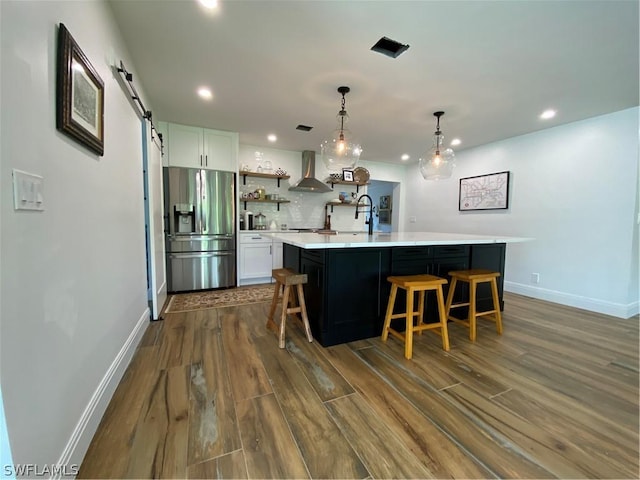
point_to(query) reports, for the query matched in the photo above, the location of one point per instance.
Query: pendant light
(438, 162)
(340, 152)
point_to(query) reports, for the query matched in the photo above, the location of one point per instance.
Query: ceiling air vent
(389, 47)
(304, 128)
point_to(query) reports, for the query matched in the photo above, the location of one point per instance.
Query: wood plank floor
(209, 394)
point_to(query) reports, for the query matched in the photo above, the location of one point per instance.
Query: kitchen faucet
(370, 221)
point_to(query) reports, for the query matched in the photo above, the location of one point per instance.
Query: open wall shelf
(257, 200)
(345, 182)
(262, 175)
(343, 204)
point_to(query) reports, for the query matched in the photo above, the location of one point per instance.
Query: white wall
(73, 280)
(306, 210)
(574, 189)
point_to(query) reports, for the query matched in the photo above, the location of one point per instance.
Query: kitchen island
(347, 289)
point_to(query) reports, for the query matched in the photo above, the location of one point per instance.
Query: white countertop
(395, 239)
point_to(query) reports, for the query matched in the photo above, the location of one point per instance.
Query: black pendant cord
(438, 132)
(144, 113)
(343, 91)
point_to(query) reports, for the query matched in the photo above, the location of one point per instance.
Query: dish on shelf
(361, 175)
(335, 176)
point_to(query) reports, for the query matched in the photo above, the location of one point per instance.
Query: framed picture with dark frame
(484, 192)
(384, 210)
(347, 175)
(79, 95)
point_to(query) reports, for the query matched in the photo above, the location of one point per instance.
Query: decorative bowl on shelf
(361, 175)
(335, 176)
(280, 172)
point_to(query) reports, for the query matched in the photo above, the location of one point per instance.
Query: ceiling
(492, 66)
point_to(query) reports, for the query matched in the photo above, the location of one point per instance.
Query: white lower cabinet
(277, 254)
(258, 256)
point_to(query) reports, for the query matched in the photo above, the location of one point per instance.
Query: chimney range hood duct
(308, 183)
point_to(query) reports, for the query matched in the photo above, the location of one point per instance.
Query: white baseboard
(254, 281)
(78, 443)
(593, 305)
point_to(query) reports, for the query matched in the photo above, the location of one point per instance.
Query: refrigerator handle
(203, 199)
(221, 253)
(199, 204)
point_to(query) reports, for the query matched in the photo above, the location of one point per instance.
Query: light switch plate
(27, 191)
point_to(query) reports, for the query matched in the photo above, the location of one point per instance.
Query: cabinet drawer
(409, 267)
(254, 238)
(451, 251)
(314, 255)
(411, 260)
(400, 254)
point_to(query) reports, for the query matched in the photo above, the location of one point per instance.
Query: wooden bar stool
(473, 278)
(287, 279)
(412, 284)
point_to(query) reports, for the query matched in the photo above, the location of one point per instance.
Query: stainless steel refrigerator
(199, 228)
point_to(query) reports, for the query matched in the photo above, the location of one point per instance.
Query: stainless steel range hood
(308, 182)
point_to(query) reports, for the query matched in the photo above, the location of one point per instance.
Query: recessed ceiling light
(547, 114)
(205, 93)
(455, 141)
(405, 156)
(210, 4)
(271, 137)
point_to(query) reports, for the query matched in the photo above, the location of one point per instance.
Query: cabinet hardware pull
(206, 160)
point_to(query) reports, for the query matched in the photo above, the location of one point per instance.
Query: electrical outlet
(535, 278)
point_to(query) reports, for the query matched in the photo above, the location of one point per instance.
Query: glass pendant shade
(438, 162)
(340, 151)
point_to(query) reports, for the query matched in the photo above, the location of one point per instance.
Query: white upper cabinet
(185, 146)
(196, 147)
(221, 150)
